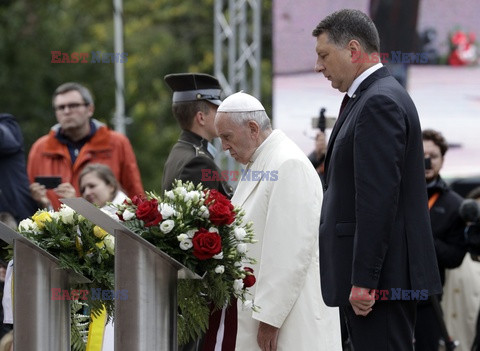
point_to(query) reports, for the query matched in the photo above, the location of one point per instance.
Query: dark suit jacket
(188, 157)
(375, 229)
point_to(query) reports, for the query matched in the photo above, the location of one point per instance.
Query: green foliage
(80, 324)
(81, 247)
(193, 321)
(160, 37)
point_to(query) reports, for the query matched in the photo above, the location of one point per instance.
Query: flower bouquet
(463, 49)
(84, 248)
(201, 229)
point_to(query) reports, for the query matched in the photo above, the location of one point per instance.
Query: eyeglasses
(72, 106)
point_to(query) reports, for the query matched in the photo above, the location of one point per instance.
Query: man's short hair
(347, 24)
(437, 138)
(71, 86)
(185, 112)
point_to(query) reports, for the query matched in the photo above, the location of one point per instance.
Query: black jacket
(447, 227)
(15, 195)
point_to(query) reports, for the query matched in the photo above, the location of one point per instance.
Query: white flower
(191, 232)
(109, 241)
(180, 191)
(193, 195)
(110, 211)
(219, 269)
(166, 210)
(167, 226)
(26, 225)
(203, 212)
(213, 230)
(186, 244)
(170, 194)
(54, 215)
(239, 233)
(242, 248)
(182, 237)
(238, 285)
(66, 214)
(128, 215)
(218, 256)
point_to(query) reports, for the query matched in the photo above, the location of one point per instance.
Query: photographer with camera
(462, 288)
(448, 233)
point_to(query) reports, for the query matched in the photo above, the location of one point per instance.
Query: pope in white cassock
(281, 194)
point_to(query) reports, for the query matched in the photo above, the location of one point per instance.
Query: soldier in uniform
(196, 97)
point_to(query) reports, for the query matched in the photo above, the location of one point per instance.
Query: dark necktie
(344, 103)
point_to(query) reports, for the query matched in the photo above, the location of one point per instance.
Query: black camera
(428, 163)
(470, 213)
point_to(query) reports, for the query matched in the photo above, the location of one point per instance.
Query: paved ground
(447, 99)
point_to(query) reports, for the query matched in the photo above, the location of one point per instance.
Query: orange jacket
(49, 157)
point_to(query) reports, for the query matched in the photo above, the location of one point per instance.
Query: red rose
(206, 244)
(250, 279)
(220, 208)
(137, 200)
(215, 196)
(221, 213)
(147, 211)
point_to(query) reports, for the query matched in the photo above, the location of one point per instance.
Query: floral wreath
(198, 227)
(84, 248)
(201, 229)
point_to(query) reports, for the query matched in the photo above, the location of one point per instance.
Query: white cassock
(285, 213)
(461, 302)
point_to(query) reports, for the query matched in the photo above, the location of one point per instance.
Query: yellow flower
(100, 244)
(99, 232)
(40, 218)
(79, 245)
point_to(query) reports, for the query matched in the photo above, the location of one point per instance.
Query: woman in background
(99, 186)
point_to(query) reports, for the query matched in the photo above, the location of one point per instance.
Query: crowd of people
(341, 232)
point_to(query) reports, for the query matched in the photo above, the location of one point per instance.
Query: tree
(161, 37)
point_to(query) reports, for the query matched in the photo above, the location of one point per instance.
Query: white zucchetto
(240, 102)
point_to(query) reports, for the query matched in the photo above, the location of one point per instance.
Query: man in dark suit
(196, 97)
(376, 248)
